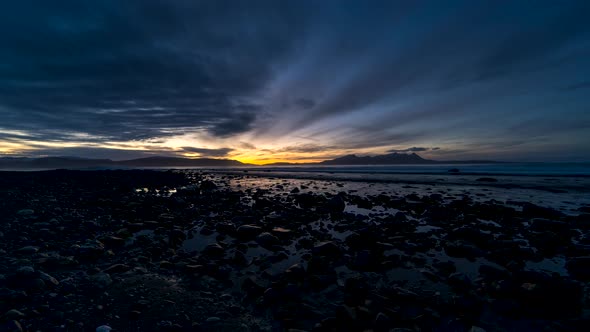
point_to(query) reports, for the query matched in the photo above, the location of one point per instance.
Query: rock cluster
(187, 251)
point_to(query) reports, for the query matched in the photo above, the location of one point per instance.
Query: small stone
(13, 314)
(11, 326)
(49, 280)
(101, 280)
(28, 250)
(26, 212)
(25, 272)
(134, 314)
(117, 268)
(213, 320)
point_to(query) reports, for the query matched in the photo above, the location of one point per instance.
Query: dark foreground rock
(188, 251)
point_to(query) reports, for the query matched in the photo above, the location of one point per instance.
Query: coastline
(212, 250)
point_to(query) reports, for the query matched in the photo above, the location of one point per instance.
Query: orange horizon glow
(245, 149)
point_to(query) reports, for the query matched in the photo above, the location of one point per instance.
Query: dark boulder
(579, 268)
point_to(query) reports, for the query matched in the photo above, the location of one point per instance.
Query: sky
(299, 81)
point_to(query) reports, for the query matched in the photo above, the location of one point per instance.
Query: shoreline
(210, 251)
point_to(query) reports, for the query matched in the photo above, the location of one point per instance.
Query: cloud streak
(413, 149)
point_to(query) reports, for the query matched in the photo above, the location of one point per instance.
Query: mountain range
(81, 163)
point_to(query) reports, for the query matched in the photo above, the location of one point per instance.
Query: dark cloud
(413, 149)
(239, 123)
(138, 69)
(346, 74)
(306, 148)
(247, 146)
(222, 152)
(99, 153)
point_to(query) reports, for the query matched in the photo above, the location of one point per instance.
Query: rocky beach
(197, 250)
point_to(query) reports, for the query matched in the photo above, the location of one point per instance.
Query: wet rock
(356, 290)
(101, 280)
(12, 296)
(13, 314)
(295, 273)
(251, 286)
(382, 322)
(579, 267)
(400, 217)
(459, 281)
(359, 241)
(534, 211)
(225, 228)
(366, 260)
(476, 329)
(103, 328)
(11, 326)
(117, 268)
(113, 241)
(48, 279)
(248, 232)
(336, 205)
(134, 314)
(267, 240)
(25, 212)
(541, 294)
(282, 233)
(25, 272)
(494, 272)
(239, 258)
(27, 250)
(176, 237)
(462, 249)
(90, 251)
(307, 201)
(327, 248)
(214, 250)
(446, 268)
(208, 185)
(542, 225)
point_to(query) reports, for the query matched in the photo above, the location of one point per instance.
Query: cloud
(239, 123)
(345, 74)
(306, 148)
(203, 152)
(247, 146)
(98, 153)
(413, 149)
(127, 71)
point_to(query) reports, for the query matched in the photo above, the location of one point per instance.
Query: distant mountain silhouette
(73, 162)
(349, 160)
(387, 159)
